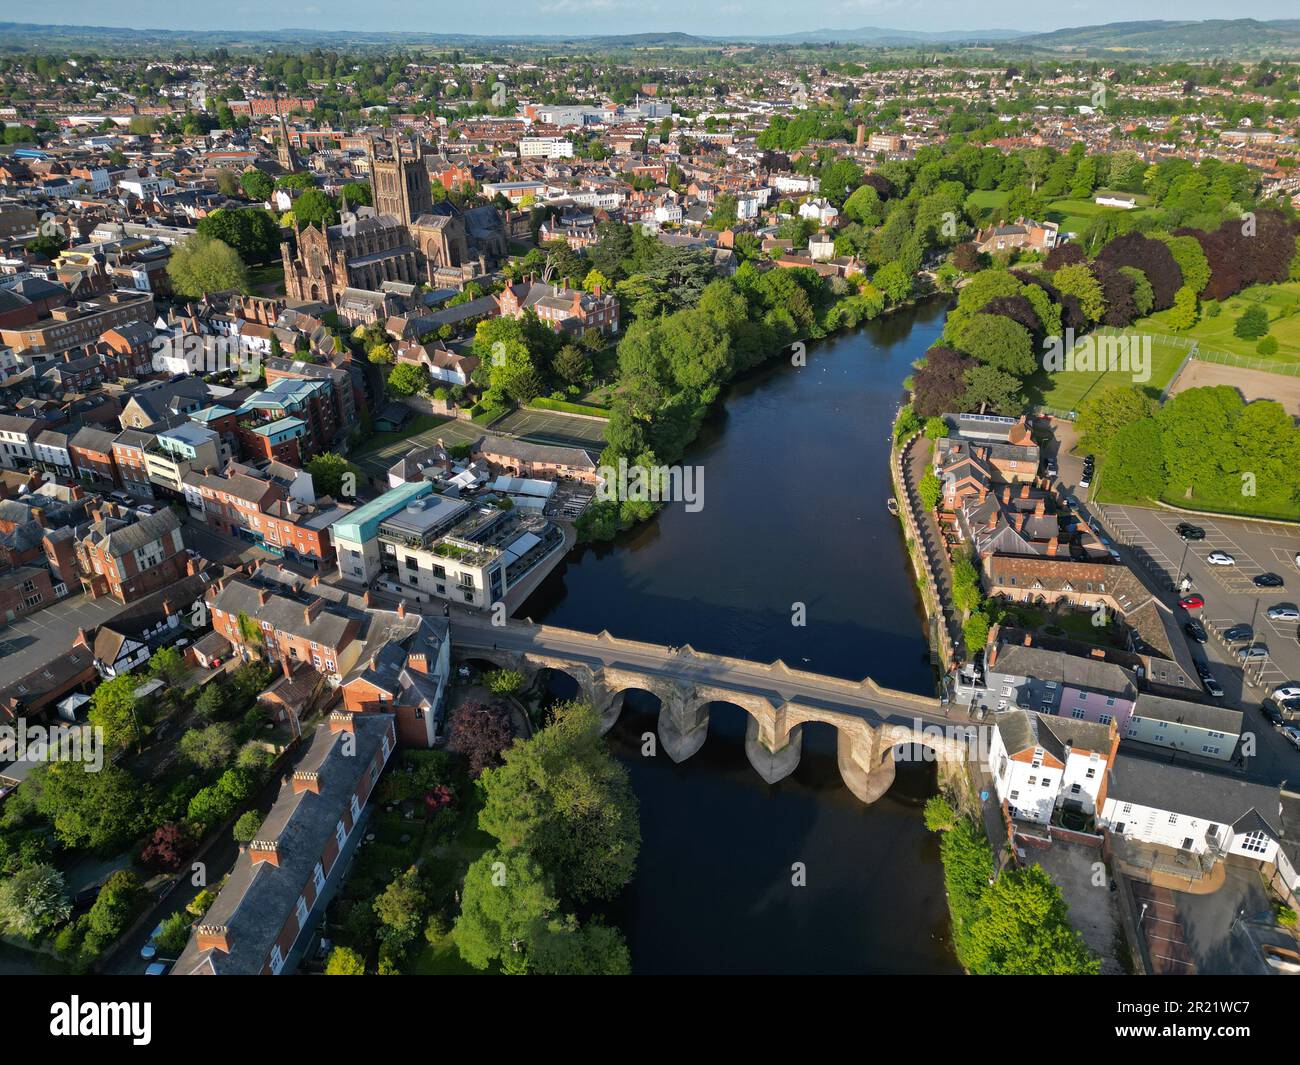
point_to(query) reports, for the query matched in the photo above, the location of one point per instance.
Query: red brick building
(262, 920)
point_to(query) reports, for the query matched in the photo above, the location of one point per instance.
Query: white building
(1040, 762)
(545, 148)
(1205, 814)
(1208, 731)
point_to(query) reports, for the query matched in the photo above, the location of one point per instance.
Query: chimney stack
(264, 850)
(1052, 545)
(341, 722)
(213, 937)
(305, 780)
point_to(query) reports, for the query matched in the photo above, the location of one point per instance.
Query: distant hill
(886, 37)
(1218, 37)
(1245, 36)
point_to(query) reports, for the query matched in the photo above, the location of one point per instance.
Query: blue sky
(627, 16)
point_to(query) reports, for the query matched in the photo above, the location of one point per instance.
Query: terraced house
(261, 921)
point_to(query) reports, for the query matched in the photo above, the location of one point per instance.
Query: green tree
(167, 664)
(314, 208)
(1078, 281)
(101, 810)
(1135, 461)
(506, 895)
(1025, 930)
(407, 379)
(1104, 413)
(115, 906)
(400, 909)
(211, 747)
(257, 185)
(113, 710)
(333, 475)
(572, 364)
(1252, 324)
(1182, 315)
(930, 490)
(33, 901)
(503, 681)
(893, 281)
(939, 814)
(564, 799)
(344, 961)
(200, 265)
(1000, 343)
(988, 388)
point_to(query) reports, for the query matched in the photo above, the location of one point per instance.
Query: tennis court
(553, 427)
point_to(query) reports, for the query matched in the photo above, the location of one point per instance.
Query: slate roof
(1206, 794)
(258, 899)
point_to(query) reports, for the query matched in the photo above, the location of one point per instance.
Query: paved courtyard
(1094, 907)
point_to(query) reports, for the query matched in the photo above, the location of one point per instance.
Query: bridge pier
(772, 763)
(683, 726)
(862, 776)
(611, 713)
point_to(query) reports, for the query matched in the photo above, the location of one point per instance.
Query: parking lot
(31, 642)
(1231, 597)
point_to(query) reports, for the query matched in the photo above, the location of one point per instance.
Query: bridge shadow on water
(740, 876)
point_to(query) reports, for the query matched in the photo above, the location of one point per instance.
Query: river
(737, 876)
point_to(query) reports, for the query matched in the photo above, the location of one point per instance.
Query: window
(1255, 843)
(1173, 819)
(277, 960)
(1207, 749)
(1077, 713)
(302, 913)
(355, 806)
(341, 834)
(318, 879)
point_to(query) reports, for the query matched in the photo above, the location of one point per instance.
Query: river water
(735, 875)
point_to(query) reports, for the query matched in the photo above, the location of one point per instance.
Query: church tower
(400, 183)
(284, 149)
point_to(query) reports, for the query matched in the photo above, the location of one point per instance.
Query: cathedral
(404, 238)
(363, 250)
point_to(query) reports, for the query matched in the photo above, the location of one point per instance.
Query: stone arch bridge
(871, 721)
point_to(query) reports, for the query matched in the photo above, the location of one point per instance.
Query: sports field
(538, 427)
(1066, 389)
(1282, 302)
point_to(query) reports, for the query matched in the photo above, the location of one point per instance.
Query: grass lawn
(421, 423)
(983, 202)
(1073, 216)
(1066, 389)
(266, 280)
(1282, 302)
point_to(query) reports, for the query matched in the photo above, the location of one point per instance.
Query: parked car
(1268, 580)
(1272, 715)
(1195, 630)
(1051, 469)
(1292, 733)
(1286, 691)
(1283, 612)
(156, 968)
(1192, 602)
(1220, 558)
(1211, 685)
(1187, 531)
(1256, 652)
(1085, 481)
(1238, 632)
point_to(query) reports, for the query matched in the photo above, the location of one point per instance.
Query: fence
(1198, 351)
